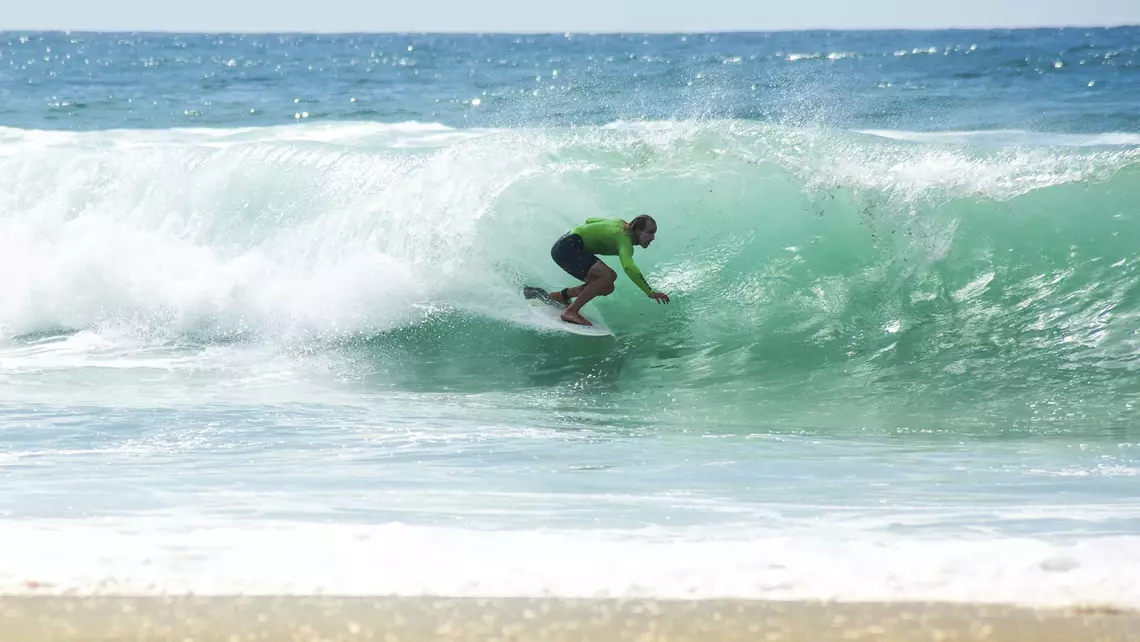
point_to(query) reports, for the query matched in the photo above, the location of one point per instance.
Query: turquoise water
(260, 324)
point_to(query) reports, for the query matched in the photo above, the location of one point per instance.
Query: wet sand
(233, 619)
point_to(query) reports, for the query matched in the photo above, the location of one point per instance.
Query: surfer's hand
(661, 297)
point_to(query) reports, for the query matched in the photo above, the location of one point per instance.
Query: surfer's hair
(640, 222)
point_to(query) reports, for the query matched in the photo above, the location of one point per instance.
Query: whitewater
(900, 362)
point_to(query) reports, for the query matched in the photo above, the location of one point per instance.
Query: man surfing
(576, 253)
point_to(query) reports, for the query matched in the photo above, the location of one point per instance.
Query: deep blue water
(1059, 80)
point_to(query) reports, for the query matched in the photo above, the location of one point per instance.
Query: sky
(484, 16)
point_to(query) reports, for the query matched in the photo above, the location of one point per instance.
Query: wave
(905, 261)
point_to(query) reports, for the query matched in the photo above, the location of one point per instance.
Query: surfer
(575, 252)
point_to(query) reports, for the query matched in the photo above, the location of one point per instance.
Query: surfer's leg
(557, 297)
(599, 282)
(570, 253)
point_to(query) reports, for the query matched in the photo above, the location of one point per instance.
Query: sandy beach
(341, 619)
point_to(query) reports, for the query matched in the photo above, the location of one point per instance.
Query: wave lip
(1011, 137)
(404, 135)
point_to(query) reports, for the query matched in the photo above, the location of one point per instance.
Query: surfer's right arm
(625, 254)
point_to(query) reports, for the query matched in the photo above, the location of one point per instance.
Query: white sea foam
(210, 558)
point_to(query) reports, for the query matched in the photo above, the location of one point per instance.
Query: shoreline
(67, 618)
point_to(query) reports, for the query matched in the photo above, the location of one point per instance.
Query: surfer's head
(643, 229)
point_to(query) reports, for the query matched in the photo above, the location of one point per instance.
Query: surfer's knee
(604, 276)
(608, 280)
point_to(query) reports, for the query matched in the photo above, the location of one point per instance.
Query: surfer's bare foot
(574, 317)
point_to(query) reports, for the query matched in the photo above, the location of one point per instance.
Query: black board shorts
(570, 253)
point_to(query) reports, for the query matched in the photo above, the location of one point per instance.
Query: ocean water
(261, 332)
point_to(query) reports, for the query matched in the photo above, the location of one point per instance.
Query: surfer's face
(646, 236)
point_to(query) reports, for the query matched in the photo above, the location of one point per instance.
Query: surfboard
(549, 314)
